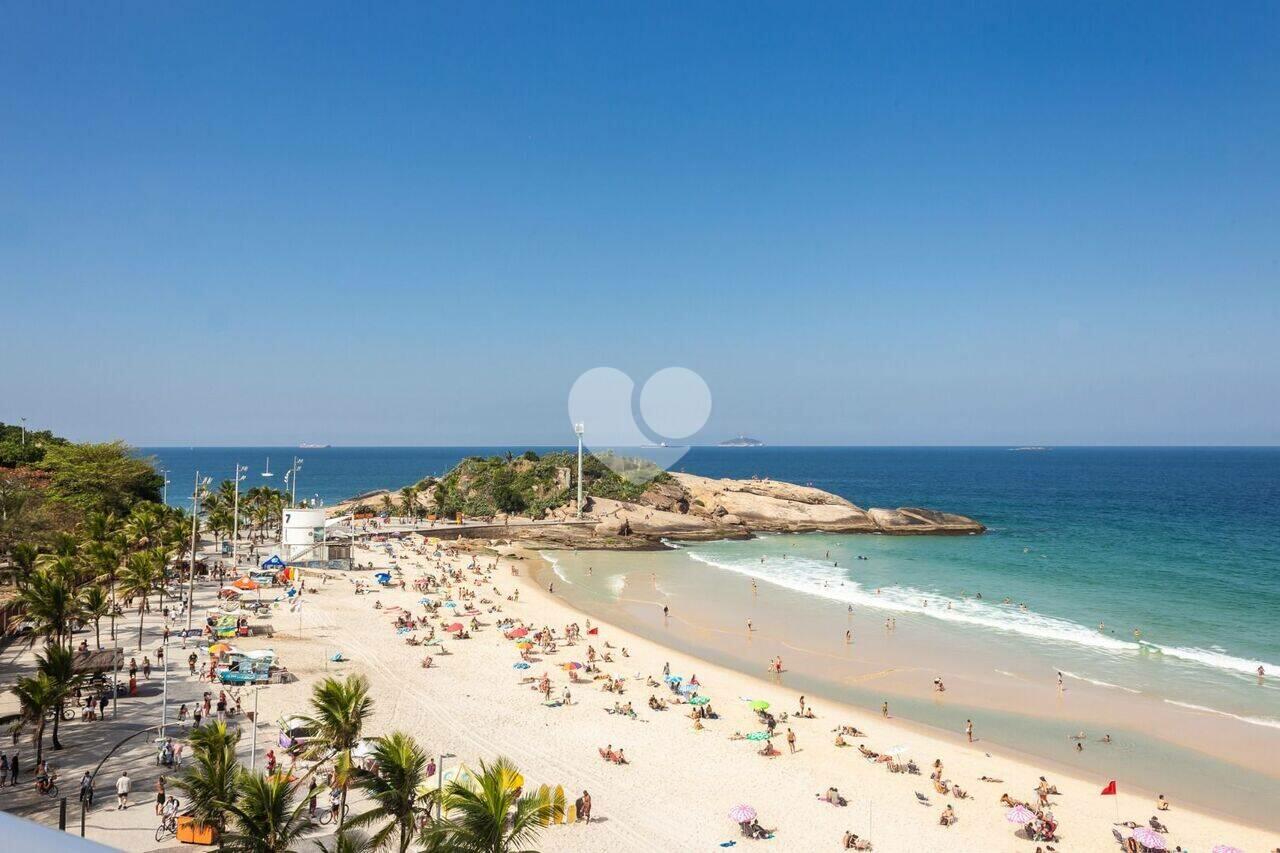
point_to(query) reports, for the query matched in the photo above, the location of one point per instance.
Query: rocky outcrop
(686, 507)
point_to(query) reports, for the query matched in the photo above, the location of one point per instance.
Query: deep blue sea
(1180, 544)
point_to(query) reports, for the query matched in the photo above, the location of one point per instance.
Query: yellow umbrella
(524, 645)
(219, 648)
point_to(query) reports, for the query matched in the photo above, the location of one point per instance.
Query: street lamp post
(191, 578)
(24, 432)
(293, 498)
(164, 472)
(579, 429)
(235, 521)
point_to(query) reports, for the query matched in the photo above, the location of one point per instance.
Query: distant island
(742, 441)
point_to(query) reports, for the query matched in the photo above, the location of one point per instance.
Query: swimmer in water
(848, 638)
(749, 628)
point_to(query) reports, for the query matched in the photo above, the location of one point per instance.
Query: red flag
(1110, 790)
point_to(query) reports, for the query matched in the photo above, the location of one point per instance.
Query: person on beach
(584, 810)
(123, 785)
(159, 795)
(968, 730)
(848, 638)
(791, 741)
(1162, 804)
(884, 710)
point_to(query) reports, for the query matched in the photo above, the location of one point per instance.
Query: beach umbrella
(451, 604)
(424, 600)
(688, 688)
(759, 705)
(699, 700)
(573, 664)
(524, 644)
(245, 583)
(758, 736)
(742, 814)
(897, 750)
(674, 679)
(219, 648)
(456, 626)
(1149, 838)
(1020, 815)
(1226, 848)
(520, 665)
(520, 632)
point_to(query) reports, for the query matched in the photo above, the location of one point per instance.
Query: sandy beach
(680, 783)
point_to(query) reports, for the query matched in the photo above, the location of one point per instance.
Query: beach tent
(273, 562)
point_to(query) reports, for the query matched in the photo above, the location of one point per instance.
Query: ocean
(1179, 543)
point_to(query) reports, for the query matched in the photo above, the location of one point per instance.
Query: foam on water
(1099, 682)
(555, 565)
(1253, 721)
(820, 578)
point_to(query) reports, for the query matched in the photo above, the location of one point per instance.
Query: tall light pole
(24, 432)
(293, 496)
(164, 472)
(235, 521)
(191, 578)
(579, 429)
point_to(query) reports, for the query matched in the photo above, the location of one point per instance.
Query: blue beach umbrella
(520, 665)
(688, 688)
(675, 679)
(758, 736)
(699, 700)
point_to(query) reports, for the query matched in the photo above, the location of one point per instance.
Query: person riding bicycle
(335, 800)
(44, 777)
(170, 810)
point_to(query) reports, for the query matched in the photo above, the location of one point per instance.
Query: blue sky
(943, 223)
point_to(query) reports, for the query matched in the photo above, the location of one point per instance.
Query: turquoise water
(1178, 543)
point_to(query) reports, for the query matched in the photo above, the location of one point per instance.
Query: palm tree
(387, 505)
(23, 556)
(408, 501)
(488, 816)
(141, 574)
(98, 526)
(219, 522)
(49, 602)
(339, 710)
(402, 767)
(267, 819)
(210, 780)
(58, 665)
(95, 604)
(37, 696)
(144, 526)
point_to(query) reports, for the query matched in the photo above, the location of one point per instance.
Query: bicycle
(50, 788)
(330, 815)
(168, 827)
(68, 713)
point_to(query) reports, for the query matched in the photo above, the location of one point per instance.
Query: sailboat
(267, 473)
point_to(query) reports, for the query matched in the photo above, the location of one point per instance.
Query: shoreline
(898, 692)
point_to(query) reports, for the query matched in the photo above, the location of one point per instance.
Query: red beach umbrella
(456, 626)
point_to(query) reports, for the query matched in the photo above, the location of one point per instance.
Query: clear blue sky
(948, 223)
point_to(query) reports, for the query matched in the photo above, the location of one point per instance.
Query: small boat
(267, 473)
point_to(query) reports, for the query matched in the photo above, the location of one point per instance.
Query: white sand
(677, 791)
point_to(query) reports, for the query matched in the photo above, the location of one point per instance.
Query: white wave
(1216, 659)
(1098, 682)
(555, 566)
(1253, 721)
(1006, 672)
(815, 578)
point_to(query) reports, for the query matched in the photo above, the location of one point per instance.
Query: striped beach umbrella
(1149, 838)
(742, 813)
(1020, 815)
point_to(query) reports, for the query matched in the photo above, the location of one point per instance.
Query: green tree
(142, 573)
(95, 605)
(339, 710)
(346, 841)
(58, 665)
(100, 477)
(402, 765)
(50, 603)
(24, 556)
(488, 816)
(37, 696)
(209, 781)
(267, 817)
